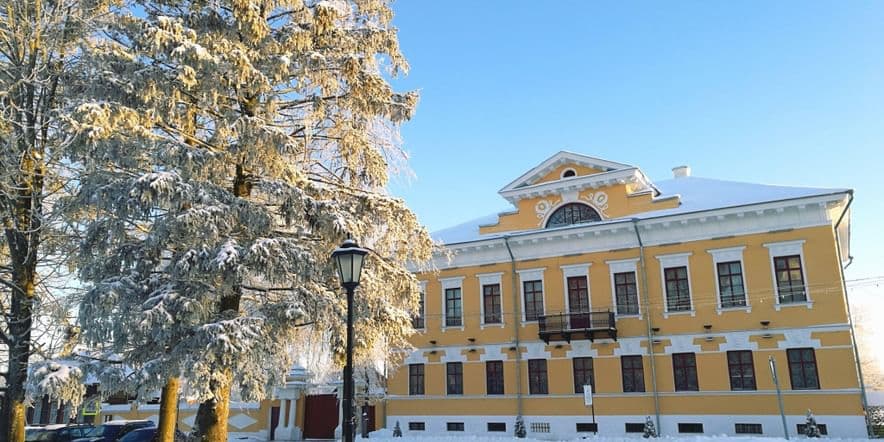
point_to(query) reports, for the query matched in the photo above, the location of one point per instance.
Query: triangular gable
(564, 157)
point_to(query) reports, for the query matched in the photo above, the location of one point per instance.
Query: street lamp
(348, 259)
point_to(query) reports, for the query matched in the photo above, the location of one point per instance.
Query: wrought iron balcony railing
(583, 325)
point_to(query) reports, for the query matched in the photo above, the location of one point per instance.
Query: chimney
(681, 171)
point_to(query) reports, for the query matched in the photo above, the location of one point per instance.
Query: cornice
(665, 229)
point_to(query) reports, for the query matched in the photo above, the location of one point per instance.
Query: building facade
(669, 300)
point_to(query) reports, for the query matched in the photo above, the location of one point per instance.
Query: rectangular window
(747, 428)
(690, 428)
(453, 308)
(416, 426)
(635, 427)
(802, 369)
(537, 380)
(583, 374)
(455, 426)
(678, 293)
(416, 379)
(587, 427)
(454, 372)
(684, 368)
(626, 292)
(533, 299)
(790, 279)
(741, 370)
(823, 430)
(540, 427)
(633, 374)
(496, 427)
(730, 284)
(494, 377)
(491, 301)
(418, 320)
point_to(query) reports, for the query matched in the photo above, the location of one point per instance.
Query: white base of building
(565, 427)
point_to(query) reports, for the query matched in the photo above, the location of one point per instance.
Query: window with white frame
(452, 302)
(532, 294)
(676, 281)
(624, 286)
(730, 280)
(491, 302)
(789, 272)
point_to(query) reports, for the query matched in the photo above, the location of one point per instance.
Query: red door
(321, 416)
(578, 302)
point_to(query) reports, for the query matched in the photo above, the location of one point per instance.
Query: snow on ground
(465, 438)
(386, 435)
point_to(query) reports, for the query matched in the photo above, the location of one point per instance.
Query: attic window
(568, 173)
(573, 213)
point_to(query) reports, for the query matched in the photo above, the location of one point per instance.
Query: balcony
(586, 325)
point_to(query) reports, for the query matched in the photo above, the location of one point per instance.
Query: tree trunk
(23, 240)
(168, 411)
(211, 418)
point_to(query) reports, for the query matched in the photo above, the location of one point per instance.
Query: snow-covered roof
(696, 195)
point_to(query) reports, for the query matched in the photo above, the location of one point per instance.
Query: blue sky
(772, 92)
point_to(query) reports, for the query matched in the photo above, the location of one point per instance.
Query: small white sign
(587, 395)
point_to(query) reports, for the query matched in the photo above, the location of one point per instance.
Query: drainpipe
(841, 267)
(647, 302)
(517, 320)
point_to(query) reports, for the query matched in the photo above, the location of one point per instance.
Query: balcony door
(578, 302)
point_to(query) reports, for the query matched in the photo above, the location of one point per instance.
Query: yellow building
(669, 298)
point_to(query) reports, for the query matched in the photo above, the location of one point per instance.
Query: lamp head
(349, 258)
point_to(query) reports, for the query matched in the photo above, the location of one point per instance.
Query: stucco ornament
(543, 207)
(598, 200)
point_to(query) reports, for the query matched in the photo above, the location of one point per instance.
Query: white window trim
(454, 282)
(729, 254)
(676, 260)
(531, 275)
(423, 312)
(786, 248)
(623, 266)
(569, 271)
(489, 279)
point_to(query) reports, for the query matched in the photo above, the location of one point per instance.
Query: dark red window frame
(803, 370)
(684, 370)
(491, 301)
(538, 382)
(633, 372)
(533, 291)
(741, 370)
(415, 379)
(494, 377)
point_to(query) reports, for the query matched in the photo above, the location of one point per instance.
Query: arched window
(574, 213)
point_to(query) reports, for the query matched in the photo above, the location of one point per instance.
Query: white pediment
(564, 157)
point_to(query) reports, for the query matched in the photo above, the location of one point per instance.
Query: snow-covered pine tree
(650, 430)
(519, 430)
(229, 147)
(811, 429)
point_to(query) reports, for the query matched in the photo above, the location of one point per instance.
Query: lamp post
(348, 259)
